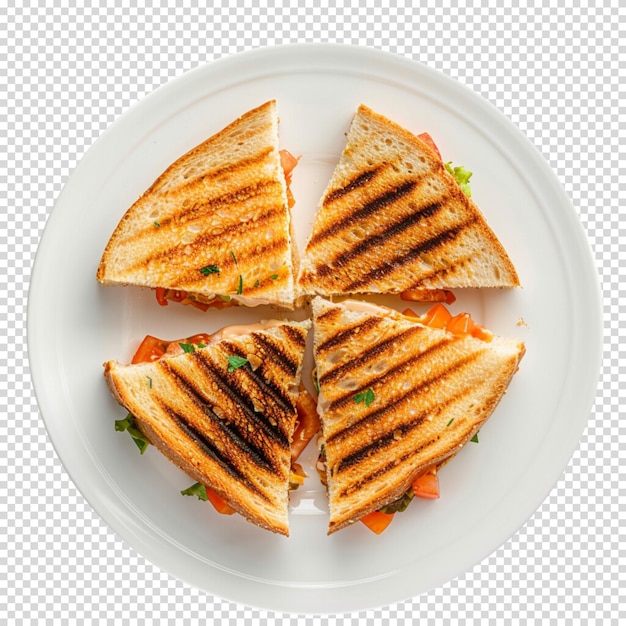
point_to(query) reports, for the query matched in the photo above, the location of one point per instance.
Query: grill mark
(224, 201)
(205, 241)
(160, 186)
(442, 272)
(372, 417)
(388, 375)
(229, 386)
(228, 429)
(380, 238)
(369, 208)
(448, 235)
(295, 336)
(188, 280)
(330, 314)
(379, 444)
(367, 355)
(359, 181)
(278, 355)
(261, 456)
(366, 325)
(209, 450)
(239, 196)
(359, 484)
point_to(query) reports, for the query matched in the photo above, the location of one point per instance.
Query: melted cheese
(365, 307)
(228, 332)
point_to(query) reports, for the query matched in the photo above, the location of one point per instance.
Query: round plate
(490, 489)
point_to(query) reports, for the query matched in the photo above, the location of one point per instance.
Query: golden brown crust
(215, 222)
(393, 219)
(431, 392)
(228, 430)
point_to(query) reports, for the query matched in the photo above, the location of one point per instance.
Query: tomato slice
(437, 316)
(428, 140)
(160, 295)
(428, 295)
(220, 505)
(203, 306)
(153, 348)
(377, 521)
(412, 314)
(427, 485)
(163, 295)
(287, 162)
(460, 325)
(308, 424)
(199, 338)
(177, 295)
(482, 333)
(150, 349)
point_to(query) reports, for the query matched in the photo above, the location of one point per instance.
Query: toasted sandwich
(399, 396)
(215, 227)
(224, 409)
(394, 219)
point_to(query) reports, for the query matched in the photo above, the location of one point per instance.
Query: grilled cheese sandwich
(394, 219)
(225, 412)
(215, 228)
(397, 398)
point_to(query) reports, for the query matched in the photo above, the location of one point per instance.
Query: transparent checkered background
(67, 74)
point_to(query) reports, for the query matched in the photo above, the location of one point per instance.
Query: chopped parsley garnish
(462, 176)
(209, 269)
(450, 422)
(190, 347)
(232, 254)
(149, 381)
(235, 362)
(240, 285)
(257, 284)
(196, 489)
(128, 424)
(474, 438)
(274, 276)
(365, 396)
(157, 224)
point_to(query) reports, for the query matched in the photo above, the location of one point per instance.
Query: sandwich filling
(395, 218)
(215, 227)
(307, 425)
(204, 301)
(400, 394)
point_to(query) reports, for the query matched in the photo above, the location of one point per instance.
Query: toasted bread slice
(228, 428)
(393, 219)
(397, 398)
(215, 223)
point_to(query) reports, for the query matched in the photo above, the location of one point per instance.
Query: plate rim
(411, 66)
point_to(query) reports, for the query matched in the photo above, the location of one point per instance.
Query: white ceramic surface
(489, 491)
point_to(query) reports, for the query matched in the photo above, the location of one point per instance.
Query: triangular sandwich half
(216, 226)
(397, 398)
(393, 219)
(224, 412)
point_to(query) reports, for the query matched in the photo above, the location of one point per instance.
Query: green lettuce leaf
(462, 176)
(196, 490)
(128, 424)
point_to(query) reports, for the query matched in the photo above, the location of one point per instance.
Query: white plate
(487, 493)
